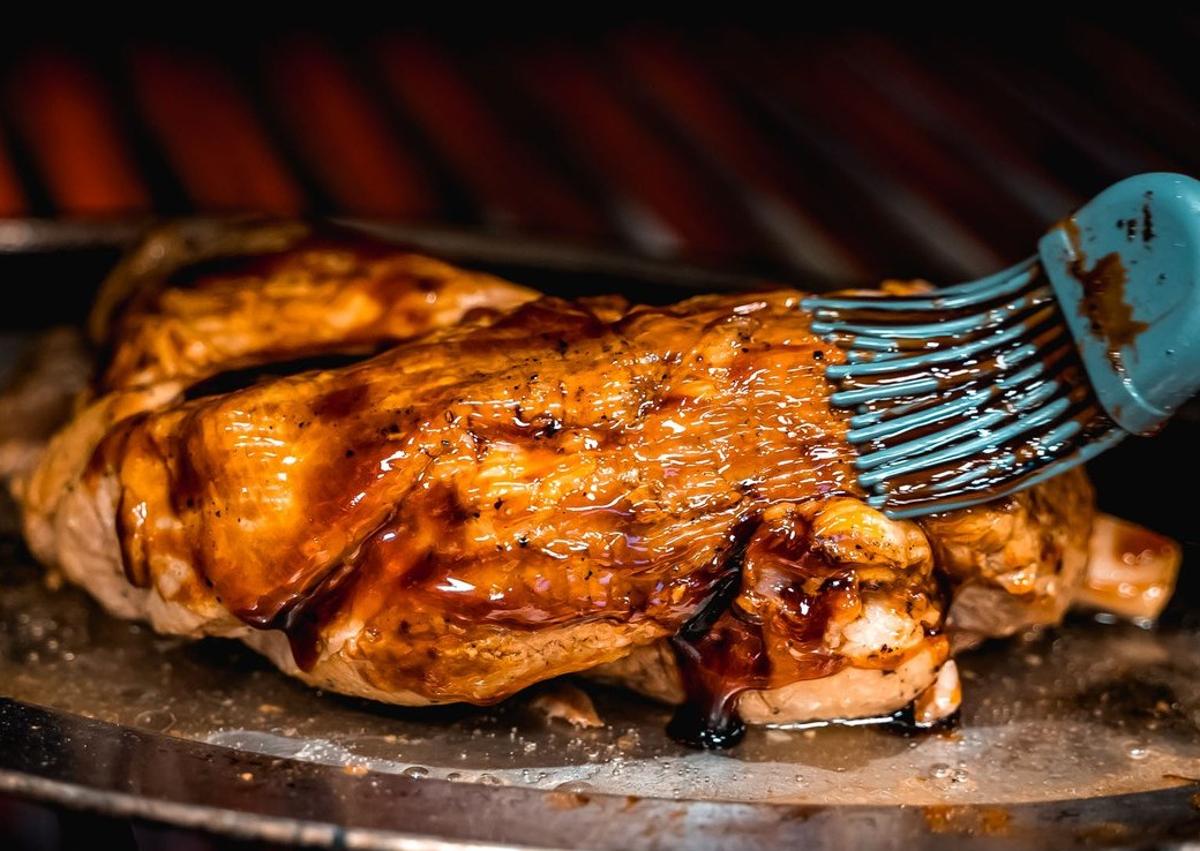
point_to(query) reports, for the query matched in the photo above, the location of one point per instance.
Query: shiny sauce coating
(324, 291)
(499, 502)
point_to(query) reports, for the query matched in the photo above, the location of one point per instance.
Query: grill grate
(841, 155)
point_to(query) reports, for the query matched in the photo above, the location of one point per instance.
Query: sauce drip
(716, 664)
(303, 618)
(761, 627)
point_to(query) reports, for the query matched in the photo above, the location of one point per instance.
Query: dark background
(818, 149)
(823, 152)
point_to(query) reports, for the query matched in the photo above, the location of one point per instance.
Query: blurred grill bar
(68, 120)
(844, 156)
(344, 135)
(513, 186)
(12, 199)
(210, 134)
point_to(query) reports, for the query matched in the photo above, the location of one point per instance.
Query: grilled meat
(315, 293)
(227, 303)
(660, 497)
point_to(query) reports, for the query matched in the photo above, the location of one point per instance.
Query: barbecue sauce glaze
(568, 477)
(762, 626)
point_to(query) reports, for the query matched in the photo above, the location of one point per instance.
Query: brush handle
(1126, 271)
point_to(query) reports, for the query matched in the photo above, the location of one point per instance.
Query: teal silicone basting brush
(972, 392)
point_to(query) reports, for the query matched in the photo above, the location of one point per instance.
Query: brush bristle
(961, 396)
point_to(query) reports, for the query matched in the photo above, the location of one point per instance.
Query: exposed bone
(940, 700)
(1131, 570)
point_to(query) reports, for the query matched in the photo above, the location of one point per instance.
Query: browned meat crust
(541, 474)
(302, 293)
(515, 491)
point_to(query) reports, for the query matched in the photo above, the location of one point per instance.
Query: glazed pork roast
(416, 484)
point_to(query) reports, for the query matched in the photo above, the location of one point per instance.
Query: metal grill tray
(1084, 735)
